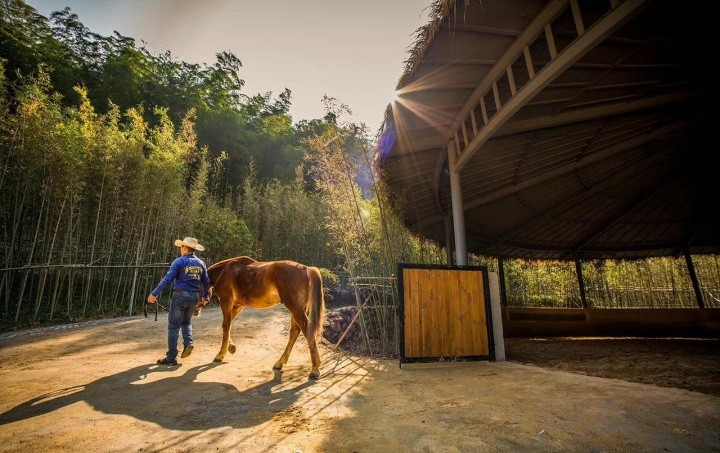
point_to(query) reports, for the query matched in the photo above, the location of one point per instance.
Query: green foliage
(330, 278)
(224, 234)
(650, 283)
(115, 71)
(26, 40)
(90, 188)
(365, 231)
(286, 220)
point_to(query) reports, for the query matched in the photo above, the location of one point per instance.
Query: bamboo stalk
(56, 292)
(101, 296)
(135, 276)
(7, 294)
(43, 273)
(69, 294)
(118, 287)
(13, 239)
(30, 258)
(10, 147)
(69, 241)
(363, 329)
(94, 239)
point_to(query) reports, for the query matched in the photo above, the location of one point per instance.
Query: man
(190, 278)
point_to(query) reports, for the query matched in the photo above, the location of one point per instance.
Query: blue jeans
(182, 307)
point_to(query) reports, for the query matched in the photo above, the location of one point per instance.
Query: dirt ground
(95, 387)
(685, 363)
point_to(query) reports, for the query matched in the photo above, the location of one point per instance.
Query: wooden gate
(444, 313)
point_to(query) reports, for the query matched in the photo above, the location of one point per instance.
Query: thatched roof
(440, 10)
(583, 128)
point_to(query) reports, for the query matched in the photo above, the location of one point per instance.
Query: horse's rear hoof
(231, 349)
(218, 359)
(277, 366)
(314, 375)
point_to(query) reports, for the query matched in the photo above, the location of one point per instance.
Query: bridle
(210, 290)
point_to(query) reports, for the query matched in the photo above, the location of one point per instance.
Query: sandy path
(96, 388)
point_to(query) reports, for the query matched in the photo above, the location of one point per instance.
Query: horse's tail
(316, 309)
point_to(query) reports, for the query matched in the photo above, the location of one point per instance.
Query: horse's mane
(217, 269)
(236, 260)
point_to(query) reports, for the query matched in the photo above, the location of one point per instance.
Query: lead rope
(199, 306)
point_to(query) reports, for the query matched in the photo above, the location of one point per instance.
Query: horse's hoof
(231, 349)
(218, 359)
(278, 366)
(314, 375)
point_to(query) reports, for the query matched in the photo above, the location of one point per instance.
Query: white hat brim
(180, 243)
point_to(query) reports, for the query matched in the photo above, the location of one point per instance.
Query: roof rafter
(574, 166)
(573, 52)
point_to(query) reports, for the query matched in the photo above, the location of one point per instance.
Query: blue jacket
(189, 273)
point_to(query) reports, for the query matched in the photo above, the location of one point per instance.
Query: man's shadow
(175, 402)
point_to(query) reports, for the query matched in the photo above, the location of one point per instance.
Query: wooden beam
(594, 113)
(529, 62)
(532, 31)
(574, 166)
(483, 29)
(576, 50)
(458, 62)
(577, 17)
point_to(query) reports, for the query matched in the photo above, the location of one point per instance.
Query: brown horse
(243, 282)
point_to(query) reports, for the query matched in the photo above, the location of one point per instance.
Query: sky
(352, 50)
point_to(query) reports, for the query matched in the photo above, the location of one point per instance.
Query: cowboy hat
(189, 242)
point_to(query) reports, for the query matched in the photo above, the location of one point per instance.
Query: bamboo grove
(91, 204)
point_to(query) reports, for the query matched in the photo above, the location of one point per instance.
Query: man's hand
(151, 299)
(201, 303)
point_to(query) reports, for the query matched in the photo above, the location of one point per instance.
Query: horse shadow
(174, 402)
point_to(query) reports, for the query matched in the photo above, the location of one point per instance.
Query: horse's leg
(294, 332)
(228, 316)
(300, 318)
(314, 354)
(236, 311)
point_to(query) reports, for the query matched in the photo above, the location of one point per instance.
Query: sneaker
(187, 351)
(166, 362)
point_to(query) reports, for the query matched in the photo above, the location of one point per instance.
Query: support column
(501, 276)
(457, 207)
(581, 283)
(448, 240)
(695, 281)
(496, 317)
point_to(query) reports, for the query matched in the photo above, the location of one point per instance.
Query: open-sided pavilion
(559, 129)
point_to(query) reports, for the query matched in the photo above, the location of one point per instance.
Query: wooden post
(448, 240)
(693, 277)
(501, 276)
(581, 283)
